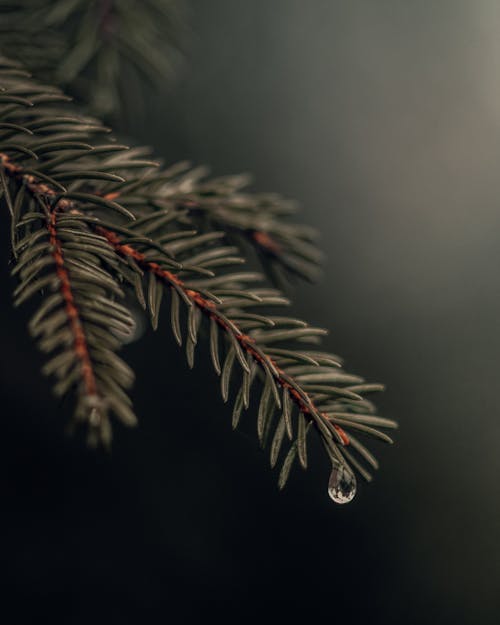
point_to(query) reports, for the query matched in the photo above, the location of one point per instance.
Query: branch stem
(247, 343)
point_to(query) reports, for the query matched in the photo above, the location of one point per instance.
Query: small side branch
(79, 340)
(247, 343)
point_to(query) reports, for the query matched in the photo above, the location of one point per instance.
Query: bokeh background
(383, 120)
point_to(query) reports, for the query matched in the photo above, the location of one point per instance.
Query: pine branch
(285, 249)
(91, 218)
(69, 322)
(87, 45)
(312, 384)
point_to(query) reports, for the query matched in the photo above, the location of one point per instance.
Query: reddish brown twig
(209, 308)
(266, 242)
(79, 341)
(36, 187)
(44, 191)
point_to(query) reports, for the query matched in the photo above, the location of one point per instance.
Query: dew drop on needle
(342, 484)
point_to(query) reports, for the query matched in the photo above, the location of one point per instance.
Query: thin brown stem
(46, 193)
(209, 308)
(206, 306)
(79, 340)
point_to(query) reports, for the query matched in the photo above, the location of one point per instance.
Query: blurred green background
(383, 120)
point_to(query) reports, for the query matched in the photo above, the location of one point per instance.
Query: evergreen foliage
(93, 220)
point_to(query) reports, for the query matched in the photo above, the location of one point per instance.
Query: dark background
(383, 120)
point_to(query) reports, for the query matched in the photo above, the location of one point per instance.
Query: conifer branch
(322, 393)
(68, 323)
(92, 44)
(91, 218)
(285, 249)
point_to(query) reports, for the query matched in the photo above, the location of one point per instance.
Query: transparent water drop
(342, 484)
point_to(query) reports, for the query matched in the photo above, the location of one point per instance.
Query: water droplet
(342, 484)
